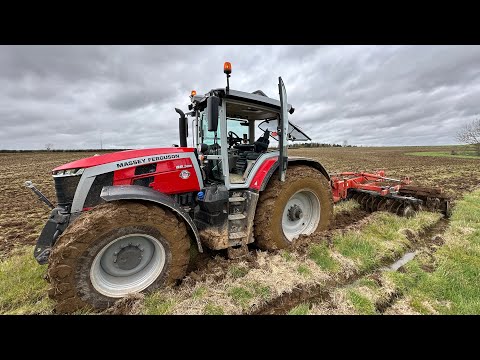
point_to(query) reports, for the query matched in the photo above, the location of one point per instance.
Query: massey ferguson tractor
(125, 222)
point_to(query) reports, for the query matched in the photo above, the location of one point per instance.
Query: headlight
(69, 172)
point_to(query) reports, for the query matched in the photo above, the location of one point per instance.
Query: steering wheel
(233, 140)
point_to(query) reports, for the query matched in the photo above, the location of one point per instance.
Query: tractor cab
(235, 131)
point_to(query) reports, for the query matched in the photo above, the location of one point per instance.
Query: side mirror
(213, 102)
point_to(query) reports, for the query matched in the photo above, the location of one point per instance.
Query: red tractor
(125, 221)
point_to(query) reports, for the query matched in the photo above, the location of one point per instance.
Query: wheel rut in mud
(214, 264)
(430, 238)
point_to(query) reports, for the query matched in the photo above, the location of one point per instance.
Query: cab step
(237, 235)
(236, 217)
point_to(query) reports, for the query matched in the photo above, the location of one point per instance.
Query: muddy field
(23, 216)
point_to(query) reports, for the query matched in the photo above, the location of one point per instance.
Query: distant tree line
(64, 150)
(316, 145)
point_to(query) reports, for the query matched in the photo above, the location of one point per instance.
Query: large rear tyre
(302, 205)
(116, 249)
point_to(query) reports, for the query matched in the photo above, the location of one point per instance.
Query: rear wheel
(302, 205)
(114, 250)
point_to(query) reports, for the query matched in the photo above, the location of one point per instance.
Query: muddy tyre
(303, 204)
(115, 249)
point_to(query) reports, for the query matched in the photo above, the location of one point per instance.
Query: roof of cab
(255, 98)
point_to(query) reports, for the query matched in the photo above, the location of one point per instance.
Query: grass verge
(459, 155)
(453, 285)
(381, 240)
(22, 287)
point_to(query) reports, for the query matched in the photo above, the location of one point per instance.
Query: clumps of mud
(214, 265)
(131, 304)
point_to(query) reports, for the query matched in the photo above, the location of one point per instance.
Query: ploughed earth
(319, 273)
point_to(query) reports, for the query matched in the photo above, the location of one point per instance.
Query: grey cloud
(368, 95)
(128, 99)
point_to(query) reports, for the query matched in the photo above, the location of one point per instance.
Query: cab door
(283, 130)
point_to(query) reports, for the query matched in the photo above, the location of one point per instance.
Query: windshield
(209, 136)
(294, 132)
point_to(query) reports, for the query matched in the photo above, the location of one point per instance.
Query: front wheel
(302, 205)
(114, 250)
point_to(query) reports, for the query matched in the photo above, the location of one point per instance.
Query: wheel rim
(301, 214)
(127, 264)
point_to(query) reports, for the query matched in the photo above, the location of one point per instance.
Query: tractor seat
(261, 145)
(244, 147)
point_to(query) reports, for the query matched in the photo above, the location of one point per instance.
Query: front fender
(136, 192)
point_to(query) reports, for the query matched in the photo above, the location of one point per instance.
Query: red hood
(120, 155)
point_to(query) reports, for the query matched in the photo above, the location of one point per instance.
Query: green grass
(459, 155)
(260, 290)
(237, 272)
(286, 255)
(382, 240)
(453, 287)
(240, 296)
(211, 309)
(158, 304)
(361, 304)
(368, 283)
(302, 309)
(345, 206)
(199, 293)
(243, 296)
(304, 270)
(22, 287)
(321, 256)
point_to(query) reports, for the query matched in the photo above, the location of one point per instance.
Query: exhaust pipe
(182, 128)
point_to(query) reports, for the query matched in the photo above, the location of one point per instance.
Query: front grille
(93, 197)
(65, 187)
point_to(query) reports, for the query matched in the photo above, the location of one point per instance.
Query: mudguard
(294, 161)
(136, 192)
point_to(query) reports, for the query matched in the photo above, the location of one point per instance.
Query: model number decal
(183, 166)
(147, 160)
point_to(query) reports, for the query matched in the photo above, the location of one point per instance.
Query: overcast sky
(71, 96)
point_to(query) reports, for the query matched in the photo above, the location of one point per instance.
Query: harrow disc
(382, 204)
(355, 196)
(395, 207)
(360, 198)
(364, 201)
(375, 202)
(407, 211)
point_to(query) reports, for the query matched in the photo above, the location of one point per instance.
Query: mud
(71, 258)
(214, 238)
(129, 305)
(214, 265)
(431, 239)
(268, 228)
(323, 293)
(22, 216)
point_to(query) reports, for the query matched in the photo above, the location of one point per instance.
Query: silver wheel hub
(301, 214)
(128, 258)
(127, 264)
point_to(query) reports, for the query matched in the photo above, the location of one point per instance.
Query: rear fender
(136, 192)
